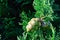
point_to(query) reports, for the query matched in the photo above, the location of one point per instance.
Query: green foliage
(43, 9)
(25, 20)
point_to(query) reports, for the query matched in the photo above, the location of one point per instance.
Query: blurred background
(10, 11)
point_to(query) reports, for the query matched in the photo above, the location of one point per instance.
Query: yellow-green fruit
(31, 24)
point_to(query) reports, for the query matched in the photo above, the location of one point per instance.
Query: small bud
(43, 24)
